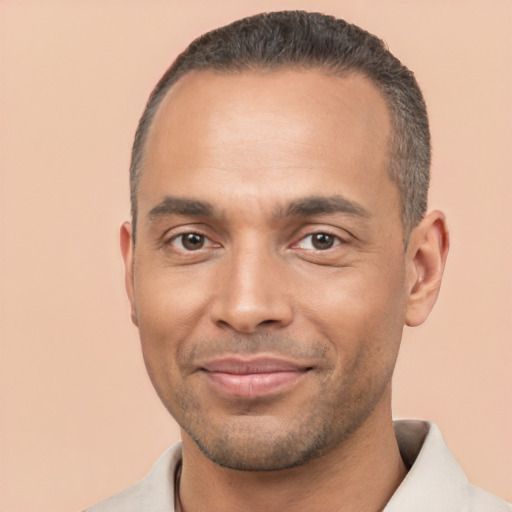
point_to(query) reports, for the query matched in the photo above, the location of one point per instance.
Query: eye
(189, 241)
(319, 242)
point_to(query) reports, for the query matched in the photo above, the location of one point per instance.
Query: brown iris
(322, 241)
(192, 241)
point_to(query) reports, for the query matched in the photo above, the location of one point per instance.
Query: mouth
(255, 377)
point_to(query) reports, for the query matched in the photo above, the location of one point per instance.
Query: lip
(255, 377)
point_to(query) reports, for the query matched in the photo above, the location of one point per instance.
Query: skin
(256, 164)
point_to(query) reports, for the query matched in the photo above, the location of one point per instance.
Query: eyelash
(336, 241)
(182, 236)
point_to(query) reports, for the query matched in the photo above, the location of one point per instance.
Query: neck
(360, 475)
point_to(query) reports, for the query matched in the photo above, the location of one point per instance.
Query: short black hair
(285, 39)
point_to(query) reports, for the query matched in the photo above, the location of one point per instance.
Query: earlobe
(127, 252)
(426, 255)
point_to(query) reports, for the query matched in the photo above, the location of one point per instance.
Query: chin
(259, 444)
(257, 454)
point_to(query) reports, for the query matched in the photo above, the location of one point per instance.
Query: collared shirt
(434, 483)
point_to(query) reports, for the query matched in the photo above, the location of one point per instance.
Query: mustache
(258, 343)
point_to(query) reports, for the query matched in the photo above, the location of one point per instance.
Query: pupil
(193, 241)
(322, 241)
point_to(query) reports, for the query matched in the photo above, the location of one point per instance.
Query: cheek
(168, 309)
(168, 302)
(360, 309)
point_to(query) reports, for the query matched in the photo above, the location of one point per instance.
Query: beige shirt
(435, 482)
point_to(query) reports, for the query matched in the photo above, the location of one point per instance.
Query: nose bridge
(253, 289)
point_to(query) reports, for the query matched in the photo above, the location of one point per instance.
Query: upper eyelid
(339, 239)
(183, 229)
(164, 241)
(304, 233)
(182, 234)
(300, 234)
(169, 244)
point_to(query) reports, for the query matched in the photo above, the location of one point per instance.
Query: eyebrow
(171, 205)
(318, 205)
(303, 207)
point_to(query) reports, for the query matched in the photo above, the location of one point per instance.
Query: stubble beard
(264, 443)
(258, 438)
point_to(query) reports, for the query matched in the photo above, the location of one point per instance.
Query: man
(279, 243)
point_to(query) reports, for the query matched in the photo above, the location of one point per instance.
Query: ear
(127, 250)
(426, 258)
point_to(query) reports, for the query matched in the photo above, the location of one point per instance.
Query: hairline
(342, 71)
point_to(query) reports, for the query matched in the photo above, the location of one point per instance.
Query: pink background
(79, 418)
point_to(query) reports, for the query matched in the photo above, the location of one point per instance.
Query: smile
(252, 378)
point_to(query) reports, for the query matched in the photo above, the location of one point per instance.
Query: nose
(252, 293)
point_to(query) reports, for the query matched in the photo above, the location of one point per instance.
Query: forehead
(268, 131)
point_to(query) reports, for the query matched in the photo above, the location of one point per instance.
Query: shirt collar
(435, 480)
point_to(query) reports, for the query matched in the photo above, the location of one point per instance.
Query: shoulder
(435, 481)
(482, 501)
(154, 493)
(128, 500)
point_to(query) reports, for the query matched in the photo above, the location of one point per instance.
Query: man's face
(269, 271)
